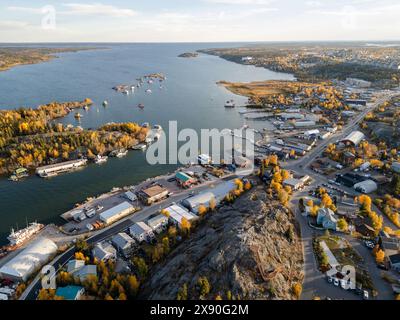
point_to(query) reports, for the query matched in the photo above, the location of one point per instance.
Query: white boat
(121, 153)
(230, 104)
(145, 125)
(105, 103)
(100, 159)
(141, 146)
(125, 92)
(18, 237)
(148, 91)
(157, 127)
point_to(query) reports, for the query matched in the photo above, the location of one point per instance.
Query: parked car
(336, 282)
(330, 279)
(365, 295)
(89, 227)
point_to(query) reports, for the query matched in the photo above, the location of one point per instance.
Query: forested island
(31, 138)
(14, 56)
(189, 55)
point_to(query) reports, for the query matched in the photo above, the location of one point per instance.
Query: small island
(189, 55)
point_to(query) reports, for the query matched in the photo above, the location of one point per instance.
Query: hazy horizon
(200, 21)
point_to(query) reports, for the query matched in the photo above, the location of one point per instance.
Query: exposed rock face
(224, 249)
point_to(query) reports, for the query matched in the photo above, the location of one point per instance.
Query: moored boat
(230, 104)
(100, 159)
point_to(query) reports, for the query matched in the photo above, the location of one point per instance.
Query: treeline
(29, 138)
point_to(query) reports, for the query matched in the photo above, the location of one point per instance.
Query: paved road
(315, 283)
(33, 289)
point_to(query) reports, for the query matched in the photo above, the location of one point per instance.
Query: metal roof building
(367, 186)
(218, 194)
(115, 213)
(177, 213)
(354, 138)
(29, 260)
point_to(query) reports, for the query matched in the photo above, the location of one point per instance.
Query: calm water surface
(189, 95)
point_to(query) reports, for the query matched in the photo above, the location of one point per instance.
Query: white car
(336, 282)
(89, 227)
(330, 279)
(365, 295)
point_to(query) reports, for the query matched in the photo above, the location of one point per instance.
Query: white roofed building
(354, 138)
(116, 213)
(141, 232)
(29, 260)
(367, 186)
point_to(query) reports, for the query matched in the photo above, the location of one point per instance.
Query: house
(158, 223)
(177, 213)
(348, 158)
(365, 230)
(394, 261)
(396, 167)
(296, 184)
(123, 243)
(326, 218)
(75, 265)
(153, 194)
(184, 180)
(70, 292)
(85, 272)
(141, 232)
(104, 251)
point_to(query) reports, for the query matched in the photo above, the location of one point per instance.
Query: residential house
(104, 251)
(326, 218)
(141, 232)
(123, 243)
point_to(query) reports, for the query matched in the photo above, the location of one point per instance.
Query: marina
(186, 98)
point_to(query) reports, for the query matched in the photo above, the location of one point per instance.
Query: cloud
(97, 9)
(251, 2)
(10, 24)
(25, 9)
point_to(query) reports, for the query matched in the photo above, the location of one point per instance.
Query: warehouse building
(354, 138)
(60, 167)
(366, 187)
(29, 260)
(184, 180)
(216, 194)
(153, 194)
(116, 213)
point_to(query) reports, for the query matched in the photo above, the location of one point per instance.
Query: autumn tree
(297, 290)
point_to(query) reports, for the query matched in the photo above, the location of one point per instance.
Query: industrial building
(153, 194)
(116, 213)
(177, 213)
(29, 260)
(216, 194)
(60, 167)
(366, 187)
(350, 179)
(184, 180)
(158, 223)
(354, 138)
(141, 232)
(130, 196)
(357, 102)
(305, 123)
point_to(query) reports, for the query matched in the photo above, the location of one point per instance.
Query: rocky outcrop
(249, 250)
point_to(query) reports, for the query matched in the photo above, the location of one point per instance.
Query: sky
(198, 20)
